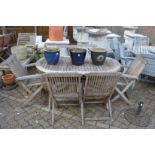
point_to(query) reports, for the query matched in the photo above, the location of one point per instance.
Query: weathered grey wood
(31, 77)
(131, 76)
(99, 86)
(121, 94)
(69, 104)
(71, 46)
(97, 119)
(24, 62)
(148, 52)
(25, 87)
(82, 109)
(63, 87)
(33, 95)
(65, 66)
(15, 66)
(25, 80)
(137, 66)
(53, 103)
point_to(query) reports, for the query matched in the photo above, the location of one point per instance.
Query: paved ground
(14, 115)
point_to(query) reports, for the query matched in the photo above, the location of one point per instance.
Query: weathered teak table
(64, 65)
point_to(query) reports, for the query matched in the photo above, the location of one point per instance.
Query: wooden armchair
(98, 88)
(22, 76)
(129, 77)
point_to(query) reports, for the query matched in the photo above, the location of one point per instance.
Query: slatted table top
(64, 65)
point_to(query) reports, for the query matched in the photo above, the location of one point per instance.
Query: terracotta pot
(8, 79)
(56, 33)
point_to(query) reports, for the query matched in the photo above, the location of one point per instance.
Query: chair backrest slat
(100, 84)
(15, 66)
(62, 84)
(26, 39)
(137, 66)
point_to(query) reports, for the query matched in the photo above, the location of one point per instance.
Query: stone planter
(82, 35)
(98, 38)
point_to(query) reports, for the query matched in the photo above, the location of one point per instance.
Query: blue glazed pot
(52, 57)
(78, 57)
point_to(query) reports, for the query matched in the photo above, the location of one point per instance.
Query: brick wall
(148, 31)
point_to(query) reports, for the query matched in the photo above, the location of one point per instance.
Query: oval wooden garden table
(64, 65)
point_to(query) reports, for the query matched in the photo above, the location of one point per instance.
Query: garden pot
(8, 79)
(19, 51)
(56, 33)
(52, 56)
(82, 35)
(98, 56)
(77, 56)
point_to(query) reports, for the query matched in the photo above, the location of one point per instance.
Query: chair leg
(25, 88)
(82, 113)
(110, 110)
(126, 95)
(33, 95)
(123, 96)
(53, 113)
(49, 102)
(107, 106)
(122, 93)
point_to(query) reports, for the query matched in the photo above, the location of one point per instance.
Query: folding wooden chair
(129, 78)
(63, 87)
(23, 78)
(98, 88)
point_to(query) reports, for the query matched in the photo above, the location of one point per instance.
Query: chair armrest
(28, 77)
(129, 58)
(129, 76)
(30, 65)
(3, 68)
